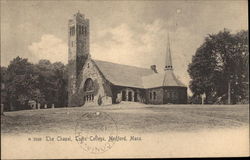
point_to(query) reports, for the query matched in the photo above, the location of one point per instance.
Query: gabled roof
(131, 76)
(162, 79)
(123, 75)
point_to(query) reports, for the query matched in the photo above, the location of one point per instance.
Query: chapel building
(95, 82)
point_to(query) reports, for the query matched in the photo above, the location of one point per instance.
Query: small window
(154, 95)
(72, 31)
(88, 65)
(72, 43)
(85, 30)
(79, 29)
(150, 95)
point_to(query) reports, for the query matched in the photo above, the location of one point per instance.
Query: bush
(99, 100)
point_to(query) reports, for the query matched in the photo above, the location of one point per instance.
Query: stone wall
(122, 93)
(175, 95)
(101, 85)
(154, 96)
(167, 95)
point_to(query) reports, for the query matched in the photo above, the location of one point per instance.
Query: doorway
(123, 95)
(136, 97)
(129, 96)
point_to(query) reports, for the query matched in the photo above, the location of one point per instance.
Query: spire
(168, 62)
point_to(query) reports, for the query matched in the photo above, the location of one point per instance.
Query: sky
(126, 32)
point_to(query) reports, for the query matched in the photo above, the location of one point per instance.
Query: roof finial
(168, 62)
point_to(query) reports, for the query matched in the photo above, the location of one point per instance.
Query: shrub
(99, 100)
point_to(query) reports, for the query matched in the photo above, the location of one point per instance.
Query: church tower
(78, 50)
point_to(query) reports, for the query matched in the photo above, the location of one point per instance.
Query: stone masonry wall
(158, 98)
(90, 71)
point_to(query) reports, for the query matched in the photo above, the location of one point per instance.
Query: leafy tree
(20, 81)
(221, 60)
(60, 71)
(43, 82)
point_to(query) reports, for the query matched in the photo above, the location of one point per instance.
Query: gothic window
(89, 89)
(154, 93)
(85, 30)
(89, 85)
(82, 29)
(79, 29)
(72, 30)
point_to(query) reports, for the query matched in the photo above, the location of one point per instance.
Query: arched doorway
(129, 96)
(136, 97)
(89, 90)
(123, 95)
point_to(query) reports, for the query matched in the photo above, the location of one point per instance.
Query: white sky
(127, 32)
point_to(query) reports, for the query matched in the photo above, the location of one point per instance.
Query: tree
(60, 71)
(43, 82)
(52, 82)
(20, 81)
(222, 60)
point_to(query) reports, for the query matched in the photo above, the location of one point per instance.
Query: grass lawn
(130, 117)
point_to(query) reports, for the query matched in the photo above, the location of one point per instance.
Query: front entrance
(88, 90)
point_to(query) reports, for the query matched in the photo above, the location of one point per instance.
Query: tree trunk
(229, 92)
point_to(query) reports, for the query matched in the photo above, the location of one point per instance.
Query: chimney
(153, 67)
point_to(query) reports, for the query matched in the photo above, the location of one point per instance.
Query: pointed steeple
(168, 61)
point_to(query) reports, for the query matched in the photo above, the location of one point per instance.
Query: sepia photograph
(102, 79)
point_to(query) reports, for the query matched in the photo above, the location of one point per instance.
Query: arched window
(85, 30)
(154, 93)
(88, 85)
(89, 89)
(82, 28)
(72, 30)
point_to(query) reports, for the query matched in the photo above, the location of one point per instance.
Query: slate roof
(123, 75)
(162, 79)
(131, 76)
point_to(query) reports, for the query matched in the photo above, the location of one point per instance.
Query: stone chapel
(95, 82)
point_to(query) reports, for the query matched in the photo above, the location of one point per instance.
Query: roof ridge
(121, 64)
